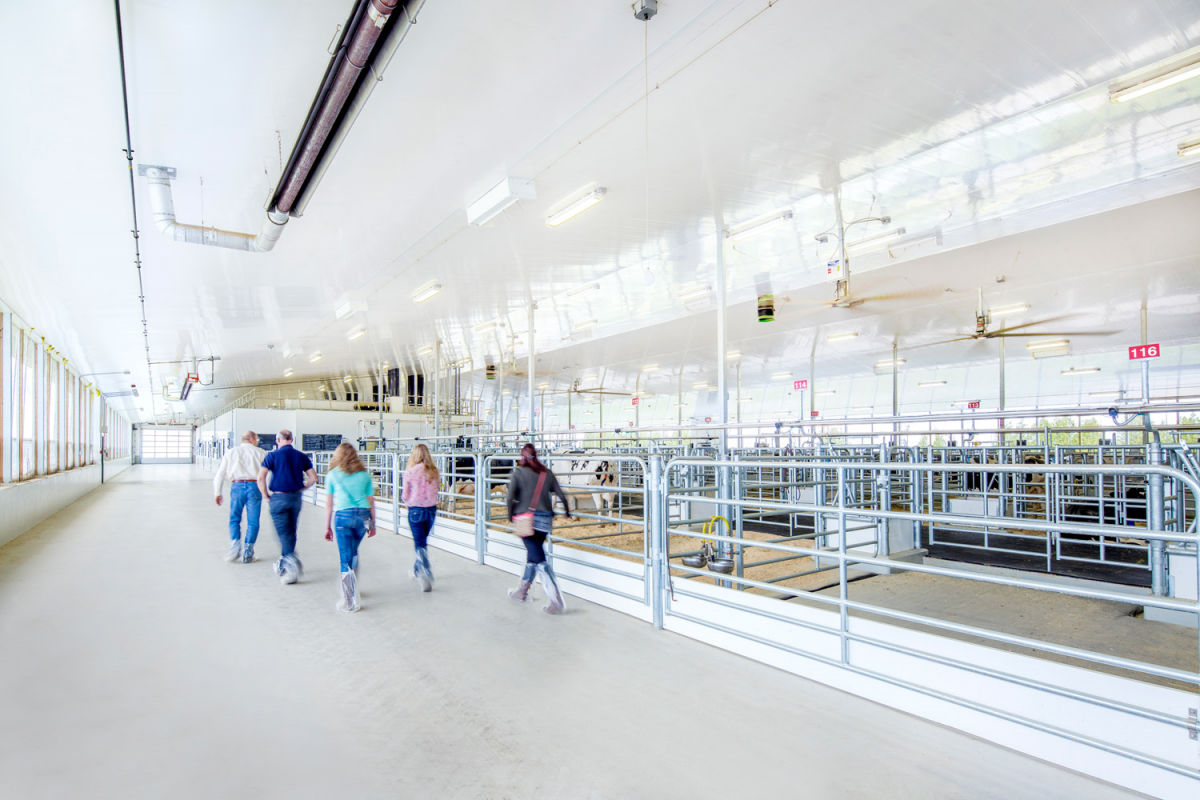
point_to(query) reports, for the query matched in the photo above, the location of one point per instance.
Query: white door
(166, 445)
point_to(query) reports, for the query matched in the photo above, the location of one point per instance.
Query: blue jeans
(535, 554)
(349, 527)
(285, 513)
(420, 523)
(244, 496)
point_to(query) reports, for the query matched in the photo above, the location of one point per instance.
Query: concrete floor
(136, 663)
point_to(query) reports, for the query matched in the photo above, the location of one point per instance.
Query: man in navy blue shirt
(291, 473)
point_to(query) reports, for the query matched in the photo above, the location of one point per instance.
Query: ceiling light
(1006, 310)
(590, 377)
(287, 373)
(930, 384)
(356, 333)
(842, 337)
(485, 327)
(695, 294)
(498, 198)
(1154, 82)
(824, 392)
(936, 238)
(349, 308)
(701, 385)
(585, 324)
(779, 376)
(579, 206)
(348, 379)
(733, 354)
(425, 351)
(583, 291)
(427, 291)
(1081, 371)
(776, 220)
(863, 409)
(302, 395)
(1048, 344)
(543, 386)
(1189, 147)
(886, 367)
(314, 358)
(650, 368)
(321, 388)
(875, 239)
(507, 391)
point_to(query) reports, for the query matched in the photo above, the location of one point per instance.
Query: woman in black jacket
(522, 485)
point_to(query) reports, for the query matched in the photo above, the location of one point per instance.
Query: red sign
(572, 427)
(708, 419)
(637, 400)
(195, 377)
(814, 413)
(973, 404)
(1144, 351)
(797, 385)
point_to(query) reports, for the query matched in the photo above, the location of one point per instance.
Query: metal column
(437, 388)
(532, 370)
(656, 533)
(723, 487)
(1157, 522)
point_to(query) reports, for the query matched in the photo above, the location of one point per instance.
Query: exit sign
(1144, 351)
(973, 404)
(637, 400)
(798, 385)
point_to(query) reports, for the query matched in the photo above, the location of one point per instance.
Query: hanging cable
(137, 252)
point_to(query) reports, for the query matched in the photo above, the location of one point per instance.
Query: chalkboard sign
(266, 441)
(317, 442)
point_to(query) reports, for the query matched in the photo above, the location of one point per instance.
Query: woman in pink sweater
(420, 494)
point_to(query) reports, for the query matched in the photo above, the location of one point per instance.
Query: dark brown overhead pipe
(357, 43)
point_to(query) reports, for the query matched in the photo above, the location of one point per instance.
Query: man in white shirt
(240, 467)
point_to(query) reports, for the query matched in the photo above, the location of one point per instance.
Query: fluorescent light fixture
(590, 377)
(875, 239)
(776, 220)
(498, 198)
(824, 392)
(650, 368)
(348, 379)
(842, 337)
(1189, 147)
(584, 325)
(1048, 344)
(486, 327)
(701, 385)
(1154, 82)
(315, 357)
(543, 386)
(930, 384)
(321, 388)
(578, 207)
(507, 391)
(425, 351)
(733, 354)
(888, 364)
(1081, 371)
(287, 373)
(583, 291)
(863, 409)
(1006, 310)
(780, 376)
(427, 291)
(356, 333)
(302, 395)
(936, 238)
(695, 294)
(351, 307)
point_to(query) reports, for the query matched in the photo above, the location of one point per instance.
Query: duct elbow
(162, 208)
(270, 231)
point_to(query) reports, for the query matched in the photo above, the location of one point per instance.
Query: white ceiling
(987, 123)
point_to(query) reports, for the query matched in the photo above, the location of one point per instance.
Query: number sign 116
(1144, 351)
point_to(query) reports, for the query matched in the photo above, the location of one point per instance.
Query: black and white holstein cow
(589, 470)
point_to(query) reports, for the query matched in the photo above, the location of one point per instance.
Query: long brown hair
(346, 458)
(529, 459)
(420, 455)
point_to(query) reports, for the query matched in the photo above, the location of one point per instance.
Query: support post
(532, 370)
(656, 536)
(396, 487)
(437, 389)
(723, 483)
(1002, 393)
(482, 493)
(1157, 520)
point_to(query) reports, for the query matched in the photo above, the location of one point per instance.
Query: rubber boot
(422, 571)
(248, 556)
(553, 595)
(521, 593)
(349, 585)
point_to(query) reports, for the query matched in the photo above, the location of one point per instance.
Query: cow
(590, 470)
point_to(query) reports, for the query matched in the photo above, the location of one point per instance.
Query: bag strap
(537, 492)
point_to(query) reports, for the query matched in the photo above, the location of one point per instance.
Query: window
(28, 419)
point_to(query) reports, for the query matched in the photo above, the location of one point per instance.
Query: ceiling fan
(576, 390)
(983, 330)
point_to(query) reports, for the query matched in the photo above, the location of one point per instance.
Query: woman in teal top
(350, 510)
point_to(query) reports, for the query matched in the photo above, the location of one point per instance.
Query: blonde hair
(420, 455)
(346, 458)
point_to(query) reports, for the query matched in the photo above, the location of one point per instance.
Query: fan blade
(916, 294)
(1036, 322)
(999, 334)
(943, 341)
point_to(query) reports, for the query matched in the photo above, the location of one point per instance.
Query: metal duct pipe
(162, 208)
(353, 59)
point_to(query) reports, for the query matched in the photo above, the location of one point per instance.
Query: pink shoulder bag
(523, 523)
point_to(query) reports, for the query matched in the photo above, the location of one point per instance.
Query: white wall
(25, 504)
(302, 421)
